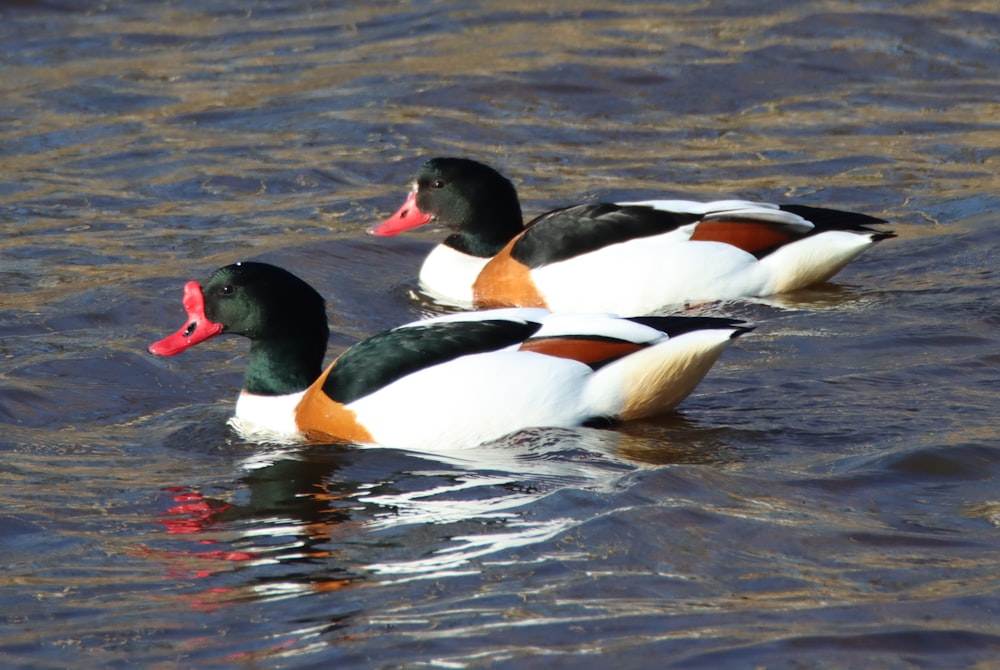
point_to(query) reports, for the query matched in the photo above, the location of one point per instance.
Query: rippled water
(828, 498)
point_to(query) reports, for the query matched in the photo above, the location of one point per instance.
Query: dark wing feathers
(833, 219)
(678, 325)
(382, 359)
(564, 233)
(571, 231)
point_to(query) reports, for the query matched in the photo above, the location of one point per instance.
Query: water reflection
(330, 506)
(275, 526)
(306, 503)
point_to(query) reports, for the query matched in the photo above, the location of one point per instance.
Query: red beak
(197, 328)
(406, 217)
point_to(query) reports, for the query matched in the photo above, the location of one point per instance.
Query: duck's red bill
(406, 217)
(196, 329)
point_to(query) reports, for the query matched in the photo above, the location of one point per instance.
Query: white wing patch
(597, 324)
(723, 209)
(515, 314)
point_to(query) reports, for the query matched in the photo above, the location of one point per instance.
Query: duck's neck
(482, 231)
(279, 366)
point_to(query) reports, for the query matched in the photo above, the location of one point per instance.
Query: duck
(443, 383)
(634, 258)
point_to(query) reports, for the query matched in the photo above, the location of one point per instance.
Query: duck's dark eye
(227, 289)
(437, 183)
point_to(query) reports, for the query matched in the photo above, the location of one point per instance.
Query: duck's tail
(816, 258)
(654, 380)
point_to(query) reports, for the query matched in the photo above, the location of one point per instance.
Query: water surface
(827, 498)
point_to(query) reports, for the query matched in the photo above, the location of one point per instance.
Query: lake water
(828, 498)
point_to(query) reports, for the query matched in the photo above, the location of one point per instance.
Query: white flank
(481, 397)
(645, 275)
(649, 274)
(474, 399)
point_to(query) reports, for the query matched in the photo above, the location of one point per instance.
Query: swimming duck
(627, 258)
(442, 383)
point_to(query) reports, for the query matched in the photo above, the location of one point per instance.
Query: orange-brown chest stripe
(750, 236)
(322, 419)
(505, 282)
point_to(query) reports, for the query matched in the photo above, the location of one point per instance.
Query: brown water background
(827, 499)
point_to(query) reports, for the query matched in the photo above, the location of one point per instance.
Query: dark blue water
(827, 499)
